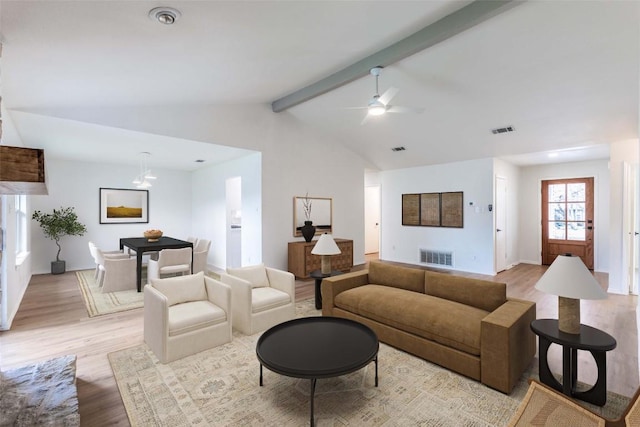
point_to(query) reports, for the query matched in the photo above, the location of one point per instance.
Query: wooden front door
(567, 219)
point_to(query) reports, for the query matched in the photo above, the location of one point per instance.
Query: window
(567, 205)
(21, 224)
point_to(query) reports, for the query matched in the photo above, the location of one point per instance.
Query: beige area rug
(99, 303)
(219, 387)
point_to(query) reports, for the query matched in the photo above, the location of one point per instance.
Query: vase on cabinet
(308, 230)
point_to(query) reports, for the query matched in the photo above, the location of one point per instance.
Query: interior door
(501, 224)
(567, 219)
(630, 227)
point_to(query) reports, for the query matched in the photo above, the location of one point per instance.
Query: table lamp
(570, 279)
(325, 247)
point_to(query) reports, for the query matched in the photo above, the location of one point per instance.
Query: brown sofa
(464, 324)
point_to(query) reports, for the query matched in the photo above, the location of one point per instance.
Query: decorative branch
(306, 207)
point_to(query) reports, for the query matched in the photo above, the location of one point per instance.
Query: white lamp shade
(326, 246)
(568, 277)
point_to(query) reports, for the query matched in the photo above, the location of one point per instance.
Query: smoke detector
(164, 15)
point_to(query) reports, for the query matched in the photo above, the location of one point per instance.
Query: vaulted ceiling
(563, 74)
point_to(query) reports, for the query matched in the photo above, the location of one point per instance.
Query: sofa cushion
(410, 279)
(191, 316)
(182, 288)
(446, 322)
(255, 274)
(477, 293)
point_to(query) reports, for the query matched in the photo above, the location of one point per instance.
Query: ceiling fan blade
(388, 95)
(398, 109)
(365, 119)
(354, 108)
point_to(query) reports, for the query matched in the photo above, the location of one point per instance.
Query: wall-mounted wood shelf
(22, 170)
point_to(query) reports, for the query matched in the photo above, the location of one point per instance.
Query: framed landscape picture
(122, 206)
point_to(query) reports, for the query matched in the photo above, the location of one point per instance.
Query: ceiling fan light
(377, 110)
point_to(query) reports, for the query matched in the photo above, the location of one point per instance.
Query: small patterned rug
(99, 303)
(220, 387)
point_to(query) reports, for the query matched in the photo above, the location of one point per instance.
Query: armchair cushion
(267, 298)
(182, 289)
(194, 315)
(255, 274)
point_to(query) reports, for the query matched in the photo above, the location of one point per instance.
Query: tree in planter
(62, 222)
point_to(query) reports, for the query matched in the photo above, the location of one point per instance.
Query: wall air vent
(505, 129)
(428, 256)
(398, 149)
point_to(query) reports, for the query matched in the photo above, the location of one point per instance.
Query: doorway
(567, 219)
(501, 224)
(371, 220)
(233, 187)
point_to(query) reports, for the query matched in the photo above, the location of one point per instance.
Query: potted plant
(62, 222)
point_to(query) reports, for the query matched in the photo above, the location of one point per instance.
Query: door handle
(636, 233)
(498, 229)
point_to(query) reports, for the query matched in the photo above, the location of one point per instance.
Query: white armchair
(170, 261)
(185, 315)
(262, 297)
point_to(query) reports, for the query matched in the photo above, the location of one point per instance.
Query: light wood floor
(52, 321)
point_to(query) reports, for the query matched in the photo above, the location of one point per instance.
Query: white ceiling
(564, 74)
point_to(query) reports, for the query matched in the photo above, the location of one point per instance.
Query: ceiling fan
(380, 104)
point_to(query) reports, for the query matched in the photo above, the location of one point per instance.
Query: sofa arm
(507, 344)
(332, 286)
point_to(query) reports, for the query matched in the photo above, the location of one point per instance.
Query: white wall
(13, 277)
(77, 184)
(624, 151)
(472, 245)
(295, 160)
(209, 208)
(511, 174)
(530, 232)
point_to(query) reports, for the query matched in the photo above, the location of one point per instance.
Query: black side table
(594, 340)
(318, 275)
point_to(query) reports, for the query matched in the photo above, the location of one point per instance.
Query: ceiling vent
(398, 149)
(505, 129)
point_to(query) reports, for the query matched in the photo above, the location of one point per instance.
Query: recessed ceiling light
(164, 15)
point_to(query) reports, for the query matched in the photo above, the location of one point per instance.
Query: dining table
(141, 245)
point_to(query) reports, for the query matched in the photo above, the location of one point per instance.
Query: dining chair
(170, 262)
(99, 258)
(119, 274)
(200, 254)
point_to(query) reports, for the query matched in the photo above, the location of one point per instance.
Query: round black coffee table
(317, 347)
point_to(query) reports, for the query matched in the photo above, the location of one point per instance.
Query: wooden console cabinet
(302, 262)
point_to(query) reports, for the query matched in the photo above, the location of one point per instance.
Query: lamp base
(569, 315)
(325, 264)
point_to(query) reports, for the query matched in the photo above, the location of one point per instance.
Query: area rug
(99, 303)
(220, 387)
(43, 394)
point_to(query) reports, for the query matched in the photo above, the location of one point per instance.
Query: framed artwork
(433, 209)
(318, 210)
(122, 206)
(430, 209)
(451, 209)
(411, 209)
